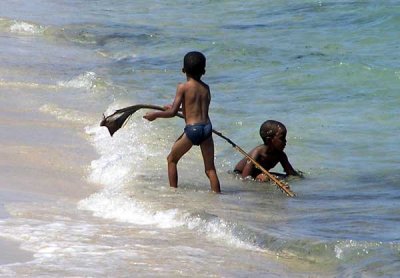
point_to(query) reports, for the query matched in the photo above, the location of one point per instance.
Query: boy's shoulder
(259, 150)
(193, 85)
(181, 87)
(263, 150)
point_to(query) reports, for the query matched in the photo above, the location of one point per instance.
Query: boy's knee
(210, 172)
(171, 158)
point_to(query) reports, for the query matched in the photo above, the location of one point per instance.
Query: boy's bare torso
(264, 158)
(268, 160)
(196, 101)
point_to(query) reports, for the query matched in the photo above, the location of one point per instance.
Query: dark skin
(268, 156)
(194, 98)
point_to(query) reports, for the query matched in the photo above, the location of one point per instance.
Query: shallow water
(328, 70)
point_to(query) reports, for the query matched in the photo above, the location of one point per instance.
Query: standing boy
(194, 97)
(273, 133)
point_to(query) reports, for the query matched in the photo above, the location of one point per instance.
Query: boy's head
(275, 132)
(194, 63)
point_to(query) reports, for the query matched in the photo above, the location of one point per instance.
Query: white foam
(350, 247)
(218, 229)
(117, 206)
(63, 247)
(118, 157)
(85, 80)
(22, 27)
(66, 114)
(338, 252)
(45, 239)
(120, 162)
(123, 158)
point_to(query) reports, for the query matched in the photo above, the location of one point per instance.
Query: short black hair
(269, 129)
(194, 63)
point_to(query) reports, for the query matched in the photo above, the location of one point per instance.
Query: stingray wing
(116, 120)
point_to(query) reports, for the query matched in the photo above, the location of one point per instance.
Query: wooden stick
(116, 120)
(285, 188)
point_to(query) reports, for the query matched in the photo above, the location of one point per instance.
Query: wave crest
(21, 27)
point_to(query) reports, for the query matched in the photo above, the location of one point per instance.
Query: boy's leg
(207, 150)
(180, 147)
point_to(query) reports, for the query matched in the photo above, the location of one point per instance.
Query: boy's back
(196, 101)
(194, 97)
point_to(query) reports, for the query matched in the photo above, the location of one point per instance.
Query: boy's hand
(262, 178)
(150, 116)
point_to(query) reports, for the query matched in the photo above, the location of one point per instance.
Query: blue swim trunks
(197, 133)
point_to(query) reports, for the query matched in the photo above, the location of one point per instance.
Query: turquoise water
(329, 70)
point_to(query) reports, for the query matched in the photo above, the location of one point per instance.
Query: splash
(123, 160)
(26, 28)
(86, 81)
(69, 115)
(117, 206)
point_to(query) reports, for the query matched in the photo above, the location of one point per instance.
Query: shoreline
(11, 251)
(43, 160)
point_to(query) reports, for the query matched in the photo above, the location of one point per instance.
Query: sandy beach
(42, 161)
(11, 252)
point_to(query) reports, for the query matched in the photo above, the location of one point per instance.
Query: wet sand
(42, 159)
(10, 251)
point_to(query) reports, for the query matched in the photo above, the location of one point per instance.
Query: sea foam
(85, 80)
(22, 27)
(64, 114)
(122, 160)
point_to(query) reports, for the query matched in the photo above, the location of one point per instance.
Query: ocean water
(329, 70)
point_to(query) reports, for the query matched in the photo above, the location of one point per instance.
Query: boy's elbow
(166, 114)
(172, 112)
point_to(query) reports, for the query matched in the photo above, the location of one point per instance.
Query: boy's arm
(287, 167)
(249, 167)
(169, 106)
(172, 110)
